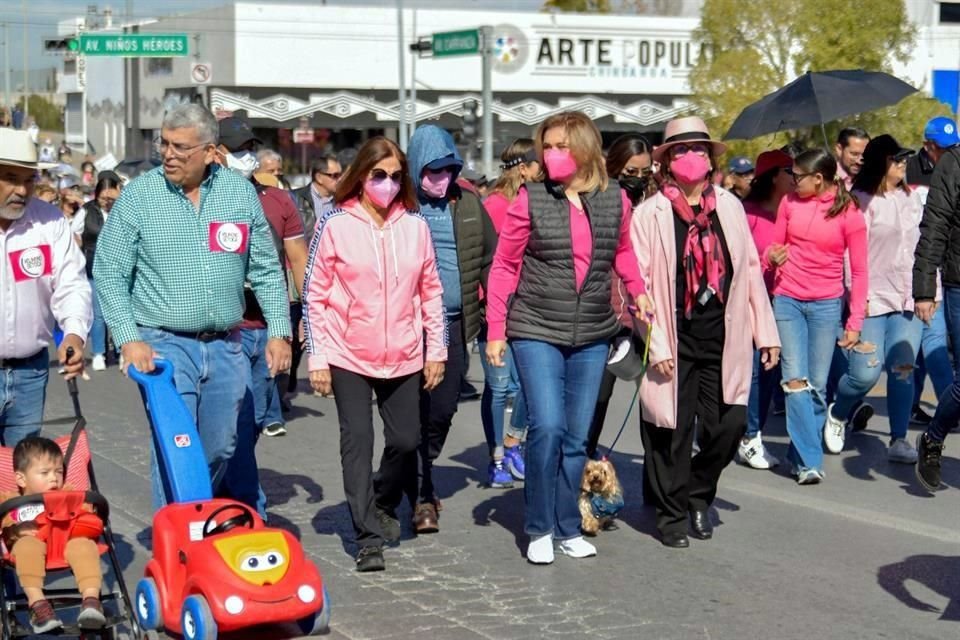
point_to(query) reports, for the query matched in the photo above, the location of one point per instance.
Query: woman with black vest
(94, 214)
(560, 240)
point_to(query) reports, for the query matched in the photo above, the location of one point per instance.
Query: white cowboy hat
(17, 149)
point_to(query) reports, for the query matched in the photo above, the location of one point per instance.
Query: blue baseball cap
(942, 131)
(740, 165)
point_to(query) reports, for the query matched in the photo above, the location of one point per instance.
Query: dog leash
(646, 359)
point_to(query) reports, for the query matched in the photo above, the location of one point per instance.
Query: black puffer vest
(547, 305)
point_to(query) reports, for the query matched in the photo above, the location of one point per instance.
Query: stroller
(59, 507)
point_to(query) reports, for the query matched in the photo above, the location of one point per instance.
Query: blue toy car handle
(163, 373)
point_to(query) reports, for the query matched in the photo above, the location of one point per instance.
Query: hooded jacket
(372, 293)
(473, 232)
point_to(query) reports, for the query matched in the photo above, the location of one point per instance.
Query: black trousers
(600, 413)
(397, 400)
(437, 409)
(296, 316)
(677, 483)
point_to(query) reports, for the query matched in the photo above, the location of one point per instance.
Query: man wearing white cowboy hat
(42, 281)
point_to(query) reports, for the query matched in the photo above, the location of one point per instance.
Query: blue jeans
(499, 384)
(23, 392)
(896, 341)
(98, 330)
(948, 407)
(763, 388)
(560, 385)
(808, 331)
(242, 480)
(934, 358)
(212, 379)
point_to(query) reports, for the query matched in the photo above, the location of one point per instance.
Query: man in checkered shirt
(170, 268)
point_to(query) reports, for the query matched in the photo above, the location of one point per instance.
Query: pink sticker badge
(32, 263)
(229, 237)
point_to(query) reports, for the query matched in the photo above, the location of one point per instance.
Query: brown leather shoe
(425, 519)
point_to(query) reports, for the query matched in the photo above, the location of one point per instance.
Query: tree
(753, 47)
(579, 6)
(48, 116)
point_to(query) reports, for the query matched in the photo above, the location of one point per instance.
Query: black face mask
(636, 187)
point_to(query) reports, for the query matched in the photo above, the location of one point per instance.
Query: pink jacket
(371, 293)
(654, 240)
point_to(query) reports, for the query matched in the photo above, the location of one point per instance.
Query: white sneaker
(577, 548)
(902, 451)
(99, 362)
(754, 454)
(540, 549)
(834, 432)
(809, 476)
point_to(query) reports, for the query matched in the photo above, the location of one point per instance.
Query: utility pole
(26, 66)
(402, 85)
(487, 97)
(413, 81)
(6, 66)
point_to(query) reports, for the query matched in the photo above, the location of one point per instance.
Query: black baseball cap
(235, 133)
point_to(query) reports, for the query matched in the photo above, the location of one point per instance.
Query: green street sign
(456, 43)
(132, 45)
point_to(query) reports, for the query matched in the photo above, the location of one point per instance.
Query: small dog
(601, 496)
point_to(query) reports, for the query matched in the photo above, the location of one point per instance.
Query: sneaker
(99, 362)
(389, 526)
(370, 559)
(91, 614)
(577, 548)
(753, 453)
(861, 416)
(920, 417)
(540, 549)
(274, 430)
(43, 619)
(809, 476)
(929, 453)
(902, 451)
(513, 457)
(834, 432)
(498, 475)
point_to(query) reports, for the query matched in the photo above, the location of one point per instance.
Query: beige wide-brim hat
(17, 149)
(686, 131)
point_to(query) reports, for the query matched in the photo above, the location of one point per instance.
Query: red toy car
(217, 567)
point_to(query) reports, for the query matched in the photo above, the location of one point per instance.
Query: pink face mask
(690, 168)
(435, 185)
(381, 192)
(561, 165)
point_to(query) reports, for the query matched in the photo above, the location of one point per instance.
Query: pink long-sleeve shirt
(816, 246)
(762, 223)
(514, 235)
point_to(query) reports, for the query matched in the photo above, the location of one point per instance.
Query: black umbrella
(133, 168)
(818, 97)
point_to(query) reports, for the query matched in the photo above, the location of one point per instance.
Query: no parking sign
(200, 72)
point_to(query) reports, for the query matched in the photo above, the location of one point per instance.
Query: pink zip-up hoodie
(371, 293)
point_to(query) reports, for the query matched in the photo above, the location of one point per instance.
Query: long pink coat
(749, 317)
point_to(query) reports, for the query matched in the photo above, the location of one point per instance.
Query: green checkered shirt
(161, 263)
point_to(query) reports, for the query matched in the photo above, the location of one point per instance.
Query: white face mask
(243, 162)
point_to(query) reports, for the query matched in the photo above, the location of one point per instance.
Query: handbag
(625, 359)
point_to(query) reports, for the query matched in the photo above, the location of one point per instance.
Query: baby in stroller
(38, 468)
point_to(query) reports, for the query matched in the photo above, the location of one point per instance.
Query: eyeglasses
(161, 146)
(379, 175)
(332, 176)
(683, 149)
(797, 177)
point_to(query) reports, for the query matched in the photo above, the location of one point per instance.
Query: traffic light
(64, 45)
(470, 118)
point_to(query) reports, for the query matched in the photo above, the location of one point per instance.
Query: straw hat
(686, 131)
(17, 149)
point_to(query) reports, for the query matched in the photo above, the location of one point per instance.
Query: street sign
(456, 43)
(133, 45)
(303, 136)
(201, 72)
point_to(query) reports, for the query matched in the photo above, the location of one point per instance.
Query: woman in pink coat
(695, 249)
(372, 292)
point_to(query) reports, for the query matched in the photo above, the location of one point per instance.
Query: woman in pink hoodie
(695, 251)
(372, 292)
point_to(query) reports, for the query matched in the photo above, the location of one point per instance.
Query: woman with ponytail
(816, 225)
(696, 252)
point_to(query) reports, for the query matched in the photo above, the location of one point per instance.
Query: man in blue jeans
(42, 280)
(939, 250)
(171, 264)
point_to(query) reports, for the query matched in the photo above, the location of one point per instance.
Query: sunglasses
(683, 149)
(379, 175)
(332, 176)
(634, 172)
